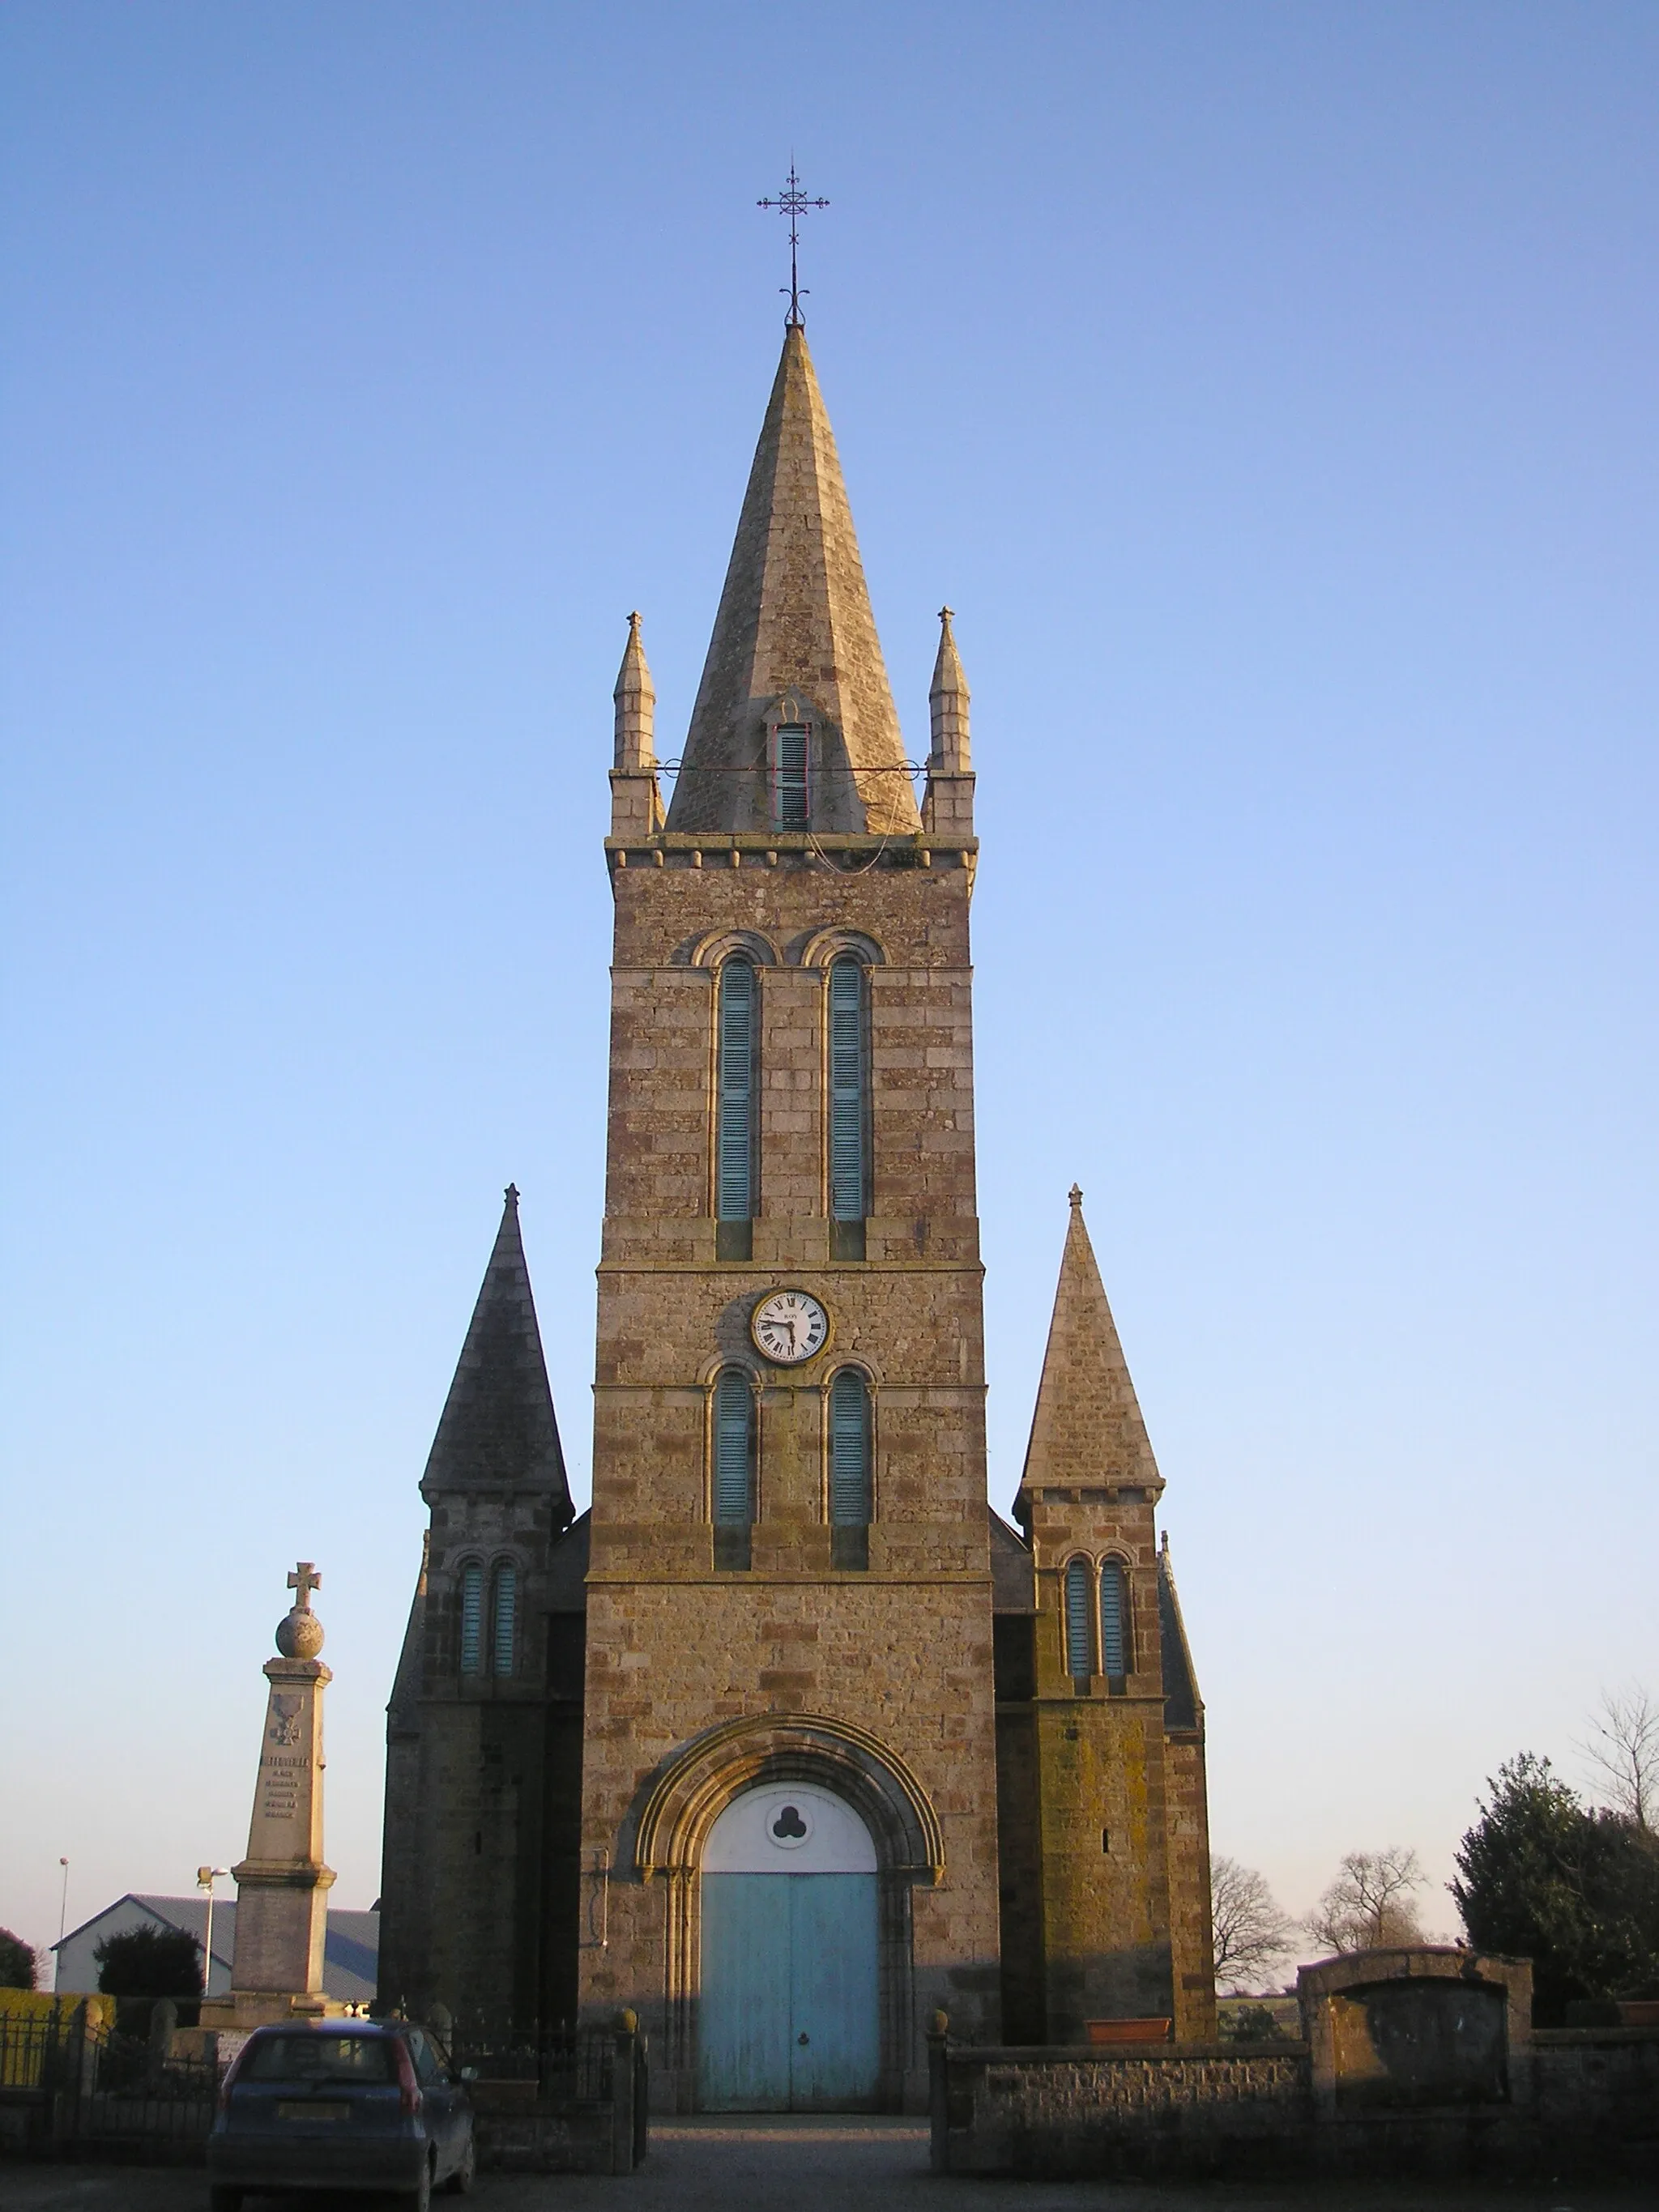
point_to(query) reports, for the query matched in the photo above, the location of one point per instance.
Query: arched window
(849, 1108)
(504, 1619)
(472, 1617)
(1079, 1657)
(791, 802)
(734, 1468)
(1114, 1621)
(849, 1469)
(735, 1120)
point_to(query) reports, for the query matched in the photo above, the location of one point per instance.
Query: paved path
(821, 2166)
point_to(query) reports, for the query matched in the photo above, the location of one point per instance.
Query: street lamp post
(205, 1877)
(62, 1922)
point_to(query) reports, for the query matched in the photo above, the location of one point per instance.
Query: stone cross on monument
(283, 1885)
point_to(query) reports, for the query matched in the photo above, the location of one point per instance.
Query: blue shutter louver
(1114, 1621)
(789, 805)
(734, 1430)
(849, 1450)
(848, 1183)
(1078, 1654)
(506, 1607)
(734, 1167)
(472, 1617)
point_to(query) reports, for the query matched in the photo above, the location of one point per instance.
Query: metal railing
(82, 2083)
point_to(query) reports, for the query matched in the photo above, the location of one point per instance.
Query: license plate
(310, 2112)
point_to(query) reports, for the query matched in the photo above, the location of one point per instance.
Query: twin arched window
(501, 1621)
(1096, 1609)
(735, 1461)
(737, 1105)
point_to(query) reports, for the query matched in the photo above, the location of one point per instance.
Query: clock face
(789, 1327)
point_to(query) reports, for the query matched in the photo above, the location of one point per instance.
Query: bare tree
(1622, 1752)
(1252, 1935)
(1369, 1906)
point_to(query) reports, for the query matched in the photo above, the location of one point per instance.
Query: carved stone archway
(681, 1802)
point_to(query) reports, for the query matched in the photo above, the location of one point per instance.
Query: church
(792, 1739)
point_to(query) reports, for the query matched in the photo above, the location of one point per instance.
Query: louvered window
(849, 1178)
(505, 1621)
(734, 1450)
(790, 807)
(471, 1618)
(734, 1144)
(1080, 1659)
(849, 1450)
(1114, 1621)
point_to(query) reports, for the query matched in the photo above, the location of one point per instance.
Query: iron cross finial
(304, 1579)
(793, 202)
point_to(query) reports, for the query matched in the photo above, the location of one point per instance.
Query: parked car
(335, 2104)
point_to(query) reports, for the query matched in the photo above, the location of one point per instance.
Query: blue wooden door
(789, 2019)
(835, 2049)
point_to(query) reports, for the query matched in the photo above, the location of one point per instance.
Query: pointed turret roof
(947, 700)
(1087, 1426)
(794, 623)
(497, 1430)
(636, 707)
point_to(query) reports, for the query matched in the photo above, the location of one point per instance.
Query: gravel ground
(837, 2166)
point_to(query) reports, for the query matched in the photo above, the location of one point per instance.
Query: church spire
(794, 643)
(497, 1430)
(1087, 1428)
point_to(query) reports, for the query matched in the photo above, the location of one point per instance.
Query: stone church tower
(836, 1745)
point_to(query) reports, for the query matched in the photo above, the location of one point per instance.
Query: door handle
(802, 2037)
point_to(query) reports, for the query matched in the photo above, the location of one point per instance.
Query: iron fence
(530, 2062)
(73, 2082)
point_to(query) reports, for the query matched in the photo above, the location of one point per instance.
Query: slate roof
(498, 1431)
(1013, 1587)
(350, 1948)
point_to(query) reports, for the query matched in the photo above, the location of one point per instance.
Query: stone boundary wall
(1418, 2062)
(1137, 2109)
(1597, 2088)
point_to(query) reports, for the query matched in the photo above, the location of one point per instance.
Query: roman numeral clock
(789, 1327)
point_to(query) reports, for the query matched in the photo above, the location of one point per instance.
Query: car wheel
(221, 2199)
(420, 2197)
(461, 2180)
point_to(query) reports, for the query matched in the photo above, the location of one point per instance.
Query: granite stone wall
(675, 1646)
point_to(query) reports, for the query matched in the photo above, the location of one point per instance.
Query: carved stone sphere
(300, 1634)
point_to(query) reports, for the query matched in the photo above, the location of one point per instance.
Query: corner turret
(635, 801)
(947, 806)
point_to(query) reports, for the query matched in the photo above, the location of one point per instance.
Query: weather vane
(793, 202)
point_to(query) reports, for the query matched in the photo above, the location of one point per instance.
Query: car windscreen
(319, 2058)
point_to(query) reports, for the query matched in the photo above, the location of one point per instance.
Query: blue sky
(1269, 387)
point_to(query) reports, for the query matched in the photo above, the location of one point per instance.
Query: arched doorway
(789, 2018)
